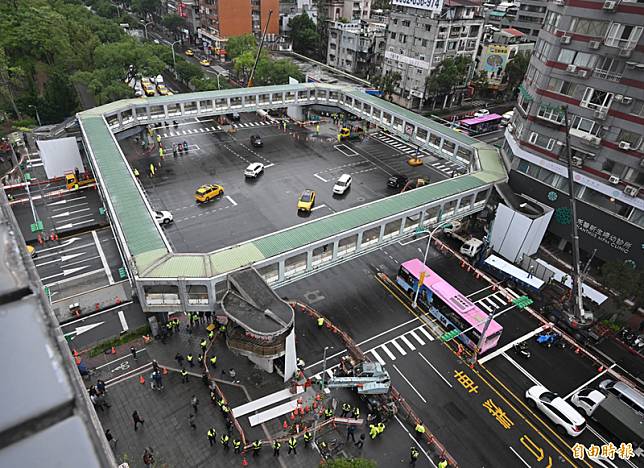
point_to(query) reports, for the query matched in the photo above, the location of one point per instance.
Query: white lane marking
(484, 306)
(408, 343)
(365, 342)
(183, 132)
(63, 258)
(318, 207)
(415, 442)
(377, 356)
(329, 372)
(97, 314)
(519, 457)
(231, 200)
(124, 325)
(74, 278)
(106, 267)
(117, 359)
(269, 165)
(522, 370)
(435, 370)
(426, 333)
(512, 293)
(504, 348)
(416, 337)
(480, 290)
(409, 383)
(202, 130)
(67, 272)
(391, 355)
(585, 384)
(320, 177)
(399, 348)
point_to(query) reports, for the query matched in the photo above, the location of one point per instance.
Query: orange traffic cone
(77, 360)
(113, 349)
(601, 369)
(165, 371)
(244, 462)
(577, 350)
(142, 380)
(75, 353)
(285, 425)
(292, 417)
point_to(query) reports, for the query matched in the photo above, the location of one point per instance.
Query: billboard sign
(431, 5)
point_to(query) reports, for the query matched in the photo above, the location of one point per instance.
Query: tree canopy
(237, 45)
(350, 463)
(515, 70)
(304, 35)
(625, 279)
(451, 73)
(387, 83)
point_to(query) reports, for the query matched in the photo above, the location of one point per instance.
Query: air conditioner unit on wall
(625, 52)
(583, 73)
(627, 100)
(565, 39)
(601, 114)
(625, 145)
(571, 68)
(613, 180)
(594, 141)
(577, 161)
(610, 5)
(631, 190)
(594, 44)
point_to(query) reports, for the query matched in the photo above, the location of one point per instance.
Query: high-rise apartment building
(356, 47)
(348, 9)
(590, 58)
(222, 19)
(420, 38)
(523, 15)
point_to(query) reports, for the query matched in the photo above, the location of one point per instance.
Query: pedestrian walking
(292, 445)
(442, 463)
(328, 413)
(213, 362)
(346, 409)
(356, 412)
(194, 402)
(148, 458)
(212, 436)
(137, 420)
(237, 445)
(373, 431)
(133, 352)
(307, 438)
(360, 442)
(200, 359)
(351, 433)
(320, 322)
(225, 441)
(110, 439)
(179, 358)
(232, 374)
(152, 170)
(229, 426)
(256, 446)
(100, 387)
(420, 430)
(191, 421)
(276, 448)
(95, 402)
(413, 456)
(203, 344)
(100, 398)
(155, 366)
(380, 427)
(184, 375)
(190, 359)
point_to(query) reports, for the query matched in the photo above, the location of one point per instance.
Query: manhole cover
(360, 199)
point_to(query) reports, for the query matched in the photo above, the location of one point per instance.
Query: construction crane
(259, 50)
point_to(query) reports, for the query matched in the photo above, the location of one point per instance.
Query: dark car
(256, 141)
(397, 181)
(234, 117)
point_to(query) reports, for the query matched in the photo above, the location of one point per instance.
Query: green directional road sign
(522, 302)
(450, 335)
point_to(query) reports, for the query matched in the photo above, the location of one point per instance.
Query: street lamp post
(317, 417)
(145, 27)
(37, 114)
(414, 303)
(174, 60)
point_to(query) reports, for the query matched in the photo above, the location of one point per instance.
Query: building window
(584, 127)
(637, 217)
(542, 50)
(428, 27)
(559, 86)
(637, 108)
(523, 103)
(424, 42)
(542, 141)
(589, 27)
(600, 200)
(574, 57)
(551, 113)
(630, 137)
(406, 23)
(623, 36)
(551, 21)
(596, 99)
(576, 152)
(393, 35)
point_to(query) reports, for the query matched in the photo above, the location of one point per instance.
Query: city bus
(483, 124)
(448, 305)
(512, 274)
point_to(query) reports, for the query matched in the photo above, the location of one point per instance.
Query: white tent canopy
(60, 156)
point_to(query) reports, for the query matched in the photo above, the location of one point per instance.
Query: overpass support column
(309, 260)
(281, 267)
(359, 241)
(295, 112)
(334, 252)
(183, 294)
(382, 233)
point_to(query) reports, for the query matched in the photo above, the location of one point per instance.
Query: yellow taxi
(162, 90)
(149, 89)
(204, 62)
(189, 52)
(306, 201)
(207, 192)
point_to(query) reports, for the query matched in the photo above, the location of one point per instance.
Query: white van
(471, 247)
(342, 185)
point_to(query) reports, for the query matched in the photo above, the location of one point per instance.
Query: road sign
(522, 302)
(450, 335)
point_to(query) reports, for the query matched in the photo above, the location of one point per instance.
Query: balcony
(607, 75)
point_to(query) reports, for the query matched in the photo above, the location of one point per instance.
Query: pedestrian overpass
(169, 281)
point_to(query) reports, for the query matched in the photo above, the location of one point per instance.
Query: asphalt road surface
(294, 161)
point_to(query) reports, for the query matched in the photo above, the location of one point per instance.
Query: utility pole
(576, 299)
(259, 50)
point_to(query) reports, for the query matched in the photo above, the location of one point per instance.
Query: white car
(507, 117)
(566, 418)
(254, 170)
(163, 217)
(481, 112)
(342, 185)
(587, 400)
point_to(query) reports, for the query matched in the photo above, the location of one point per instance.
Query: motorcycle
(175, 123)
(548, 339)
(522, 350)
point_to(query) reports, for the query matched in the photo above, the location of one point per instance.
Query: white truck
(471, 246)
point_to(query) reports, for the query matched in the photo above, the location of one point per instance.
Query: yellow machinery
(72, 182)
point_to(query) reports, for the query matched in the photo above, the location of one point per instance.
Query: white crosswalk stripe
(416, 337)
(428, 335)
(391, 355)
(408, 343)
(377, 356)
(202, 130)
(399, 348)
(183, 131)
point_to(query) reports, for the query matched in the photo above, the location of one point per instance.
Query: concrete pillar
(295, 112)
(334, 252)
(381, 234)
(263, 363)
(183, 294)
(309, 260)
(359, 241)
(281, 268)
(402, 225)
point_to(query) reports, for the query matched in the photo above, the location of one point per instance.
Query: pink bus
(485, 123)
(448, 305)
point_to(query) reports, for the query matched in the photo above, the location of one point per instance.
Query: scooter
(548, 339)
(522, 349)
(175, 123)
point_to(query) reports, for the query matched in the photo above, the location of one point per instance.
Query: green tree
(515, 71)
(381, 5)
(10, 79)
(451, 73)
(624, 279)
(387, 83)
(146, 7)
(350, 463)
(243, 64)
(60, 99)
(173, 22)
(304, 35)
(480, 84)
(188, 71)
(237, 45)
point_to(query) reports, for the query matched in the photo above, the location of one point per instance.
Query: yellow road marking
(397, 297)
